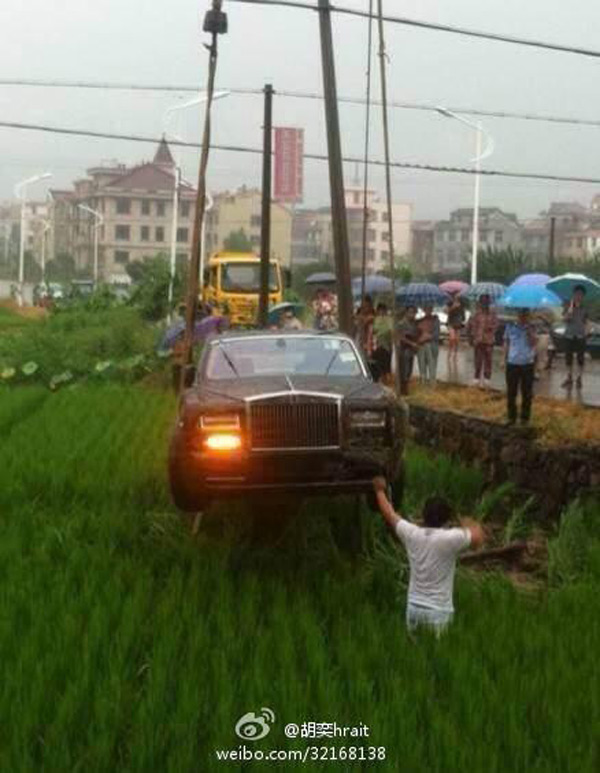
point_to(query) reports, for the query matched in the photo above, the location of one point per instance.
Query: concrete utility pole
(341, 249)
(265, 236)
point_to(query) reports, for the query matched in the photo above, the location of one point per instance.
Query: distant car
(48, 291)
(592, 344)
(284, 412)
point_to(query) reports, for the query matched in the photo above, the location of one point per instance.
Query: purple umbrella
(531, 279)
(202, 329)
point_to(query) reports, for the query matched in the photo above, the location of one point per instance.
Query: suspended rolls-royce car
(283, 412)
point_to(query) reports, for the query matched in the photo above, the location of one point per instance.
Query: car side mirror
(189, 376)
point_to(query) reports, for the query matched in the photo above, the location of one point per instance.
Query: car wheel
(186, 497)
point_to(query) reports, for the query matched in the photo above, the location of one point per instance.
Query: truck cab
(232, 285)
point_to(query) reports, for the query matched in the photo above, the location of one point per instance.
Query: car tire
(186, 497)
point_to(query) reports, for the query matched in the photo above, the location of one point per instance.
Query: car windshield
(245, 278)
(283, 356)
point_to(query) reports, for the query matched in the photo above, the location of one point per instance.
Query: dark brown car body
(297, 435)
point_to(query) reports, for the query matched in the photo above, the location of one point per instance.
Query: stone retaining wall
(554, 475)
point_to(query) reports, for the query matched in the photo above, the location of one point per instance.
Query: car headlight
(368, 419)
(223, 422)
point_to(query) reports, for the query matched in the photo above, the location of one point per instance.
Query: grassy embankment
(556, 421)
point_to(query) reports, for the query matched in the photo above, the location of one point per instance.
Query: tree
(237, 241)
(61, 269)
(151, 291)
(504, 266)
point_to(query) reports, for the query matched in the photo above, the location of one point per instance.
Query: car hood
(244, 388)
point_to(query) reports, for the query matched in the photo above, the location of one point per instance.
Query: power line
(351, 100)
(308, 156)
(450, 28)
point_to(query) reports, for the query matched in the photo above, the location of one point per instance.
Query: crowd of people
(525, 340)
(408, 334)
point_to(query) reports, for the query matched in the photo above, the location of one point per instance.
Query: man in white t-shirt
(432, 552)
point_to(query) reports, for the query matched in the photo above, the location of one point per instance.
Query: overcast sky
(158, 42)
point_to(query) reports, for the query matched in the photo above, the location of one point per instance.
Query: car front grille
(294, 425)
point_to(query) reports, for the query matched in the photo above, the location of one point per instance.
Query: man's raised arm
(388, 512)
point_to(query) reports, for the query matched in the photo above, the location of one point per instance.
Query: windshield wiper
(229, 360)
(331, 361)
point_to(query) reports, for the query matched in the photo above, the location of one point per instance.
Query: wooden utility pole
(215, 22)
(265, 235)
(341, 249)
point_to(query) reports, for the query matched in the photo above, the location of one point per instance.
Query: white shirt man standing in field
(432, 552)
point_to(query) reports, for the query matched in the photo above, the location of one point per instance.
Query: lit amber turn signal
(223, 442)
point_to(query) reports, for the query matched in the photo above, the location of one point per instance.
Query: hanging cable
(366, 156)
(454, 30)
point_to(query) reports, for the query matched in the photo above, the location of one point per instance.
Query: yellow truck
(232, 285)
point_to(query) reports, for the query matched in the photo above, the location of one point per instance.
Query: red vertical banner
(289, 165)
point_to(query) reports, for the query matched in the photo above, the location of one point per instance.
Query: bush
(77, 341)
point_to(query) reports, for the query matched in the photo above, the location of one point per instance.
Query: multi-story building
(422, 252)
(241, 211)
(378, 232)
(36, 229)
(312, 236)
(136, 206)
(453, 238)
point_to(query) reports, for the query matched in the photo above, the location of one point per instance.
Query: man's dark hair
(581, 289)
(437, 512)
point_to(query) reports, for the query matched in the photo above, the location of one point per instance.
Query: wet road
(549, 384)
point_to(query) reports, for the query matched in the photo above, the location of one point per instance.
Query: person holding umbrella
(456, 320)
(520, 343)
(576, 331)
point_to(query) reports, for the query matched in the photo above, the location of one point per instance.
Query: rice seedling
(126, 645)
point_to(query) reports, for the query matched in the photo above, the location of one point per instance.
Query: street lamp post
(47, 226)
(480, 154)
(175, 222)
(21, 193)
(99, 221)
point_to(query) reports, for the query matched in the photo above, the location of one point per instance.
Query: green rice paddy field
(126, 645)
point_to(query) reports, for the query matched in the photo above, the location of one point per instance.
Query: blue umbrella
(321, 278)
(494, 289)
(531, 279)
(529, 297)
(421, 294)
(375, 284)
(564, 285)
